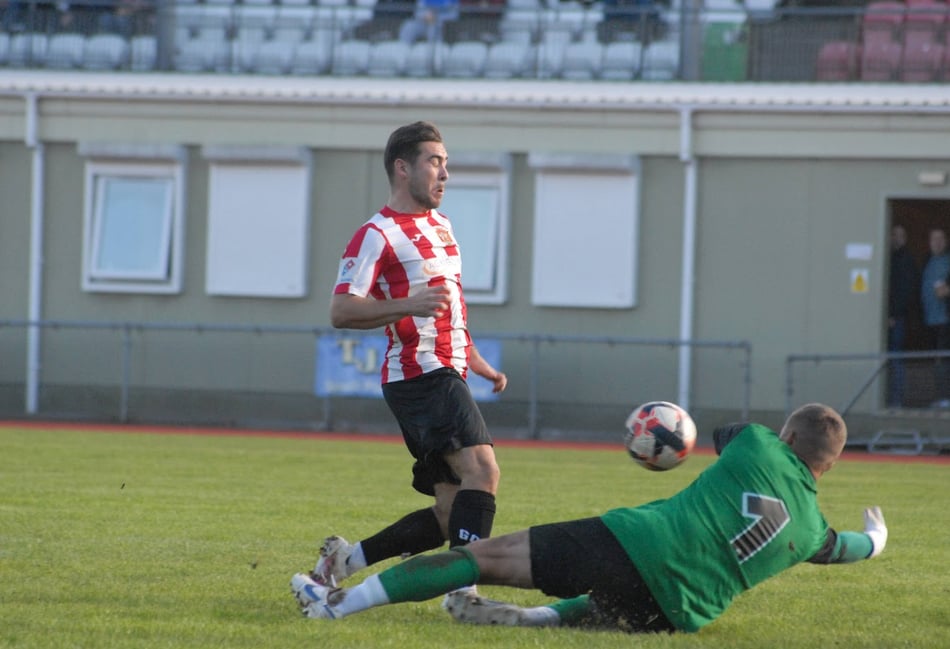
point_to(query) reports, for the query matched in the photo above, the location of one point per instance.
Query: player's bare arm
(355, 312)
(480, 366)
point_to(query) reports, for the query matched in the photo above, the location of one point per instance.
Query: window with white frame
(258, 221)
(585, 230)
(476, 202)
(133, 223)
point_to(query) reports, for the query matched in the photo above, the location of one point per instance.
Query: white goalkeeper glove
(875, 528)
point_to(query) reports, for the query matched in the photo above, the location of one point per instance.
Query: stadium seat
(311, 57)
(506, 60)
(661, 60)
(838, 61)
(945, 68)
(350, 58)
(202, 55)
(921, 61)
(273, 57)
(105, 52)
(582, 60)
(28, 49)
(621, 61)
(4, 48)
(554, 42)
(252, 15)
(423, 59)
(519, 25)
(246, 44)
(143, 52)
(882, 22)
(925, 23)
(65, 51)
(880, 61)
(388, 59)
(465, 59)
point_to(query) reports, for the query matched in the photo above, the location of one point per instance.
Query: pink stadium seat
(925, 21)
(838, 61)
(921, 61)
(880, 61)
(946, 64)
(883, 21)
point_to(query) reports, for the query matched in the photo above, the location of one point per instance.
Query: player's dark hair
(820, 434)
(404, 144)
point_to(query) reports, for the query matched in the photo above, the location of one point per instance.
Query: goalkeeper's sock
(412, 534)
(571, 611)
(428, 576)
(540, 616)
(365, 595)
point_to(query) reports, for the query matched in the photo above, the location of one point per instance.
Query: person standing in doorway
(402, 271)
(903, 283)
(934, 294)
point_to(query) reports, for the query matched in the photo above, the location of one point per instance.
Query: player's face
(428, 174)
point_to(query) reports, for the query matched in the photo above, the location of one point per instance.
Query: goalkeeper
(668, 565)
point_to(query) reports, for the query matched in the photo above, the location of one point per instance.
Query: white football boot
(314, 598)
(331, 568)
(466, 605)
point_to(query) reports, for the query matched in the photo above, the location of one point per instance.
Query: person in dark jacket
(903, 280)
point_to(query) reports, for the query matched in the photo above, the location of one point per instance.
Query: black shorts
(583, 556)
(437, 414)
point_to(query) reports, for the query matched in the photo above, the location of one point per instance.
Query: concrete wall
(782, 191)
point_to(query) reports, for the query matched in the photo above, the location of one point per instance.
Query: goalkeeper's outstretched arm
(848, 547)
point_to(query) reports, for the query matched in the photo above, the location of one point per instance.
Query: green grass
(164, 540)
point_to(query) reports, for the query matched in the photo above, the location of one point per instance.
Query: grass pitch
(148, 540)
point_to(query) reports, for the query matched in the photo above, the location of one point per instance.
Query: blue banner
(348, 365)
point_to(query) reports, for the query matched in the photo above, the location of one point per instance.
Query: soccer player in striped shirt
(402, 271)
(669, 565)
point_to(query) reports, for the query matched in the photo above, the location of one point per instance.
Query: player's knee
(483, 476)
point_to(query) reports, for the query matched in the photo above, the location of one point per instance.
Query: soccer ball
(659, 435)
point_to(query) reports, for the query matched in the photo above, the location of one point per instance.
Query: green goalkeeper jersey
(749, 516)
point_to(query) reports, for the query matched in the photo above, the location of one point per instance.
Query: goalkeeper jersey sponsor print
(747, 517)
(394, 255)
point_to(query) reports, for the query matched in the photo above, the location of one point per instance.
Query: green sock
(428, 576)
(572, 611)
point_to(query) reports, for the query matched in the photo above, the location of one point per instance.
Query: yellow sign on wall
(859, 280)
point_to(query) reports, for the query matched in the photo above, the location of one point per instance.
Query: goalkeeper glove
(875, 528)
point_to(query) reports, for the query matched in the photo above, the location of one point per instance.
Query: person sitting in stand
(427, 22)
(631, 20)
(479, 20)
(388, 15)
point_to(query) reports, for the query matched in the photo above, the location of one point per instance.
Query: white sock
(356, 561)
(540, 616)
(365, 595)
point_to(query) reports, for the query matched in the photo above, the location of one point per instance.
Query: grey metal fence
(264, 374)
(897, 403)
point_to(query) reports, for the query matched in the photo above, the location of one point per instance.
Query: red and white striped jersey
(394, 255)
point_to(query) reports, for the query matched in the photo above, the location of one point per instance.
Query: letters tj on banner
(348, 365)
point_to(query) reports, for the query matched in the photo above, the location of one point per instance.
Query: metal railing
(128, 364)
(866, 371)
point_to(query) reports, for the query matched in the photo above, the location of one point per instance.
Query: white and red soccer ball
(659, 435)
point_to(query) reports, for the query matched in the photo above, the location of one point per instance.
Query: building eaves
(840, 97)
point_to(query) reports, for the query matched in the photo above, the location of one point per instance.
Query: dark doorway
(918, 217)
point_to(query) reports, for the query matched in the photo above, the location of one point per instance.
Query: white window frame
(165, 276)
(491, 172)
(604, 218)
(278, 234)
